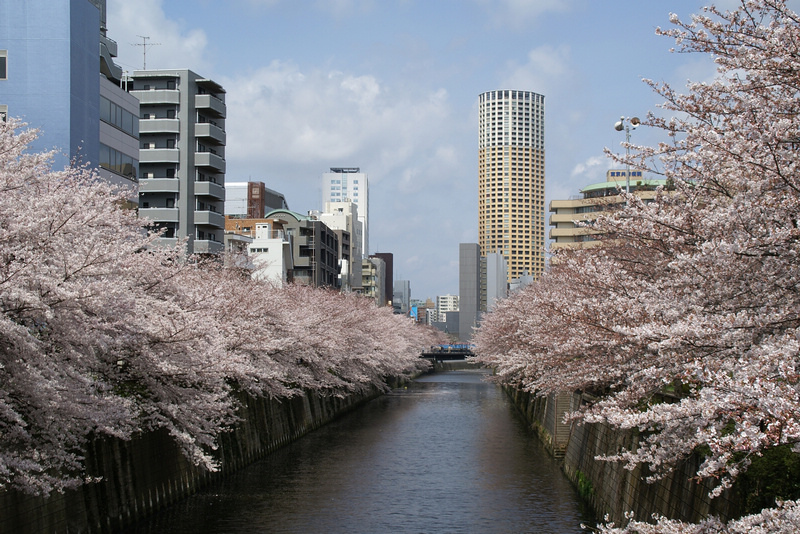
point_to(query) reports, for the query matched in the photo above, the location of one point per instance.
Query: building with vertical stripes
(511, 179)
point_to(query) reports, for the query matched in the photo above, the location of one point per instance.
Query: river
(447, 454)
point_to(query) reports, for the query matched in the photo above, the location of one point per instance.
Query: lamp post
(632, 123)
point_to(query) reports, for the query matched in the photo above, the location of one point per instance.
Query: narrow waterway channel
(447, 454)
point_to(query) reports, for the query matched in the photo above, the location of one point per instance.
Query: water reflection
(447, 454)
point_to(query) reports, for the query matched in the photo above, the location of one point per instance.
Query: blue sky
(391, 86)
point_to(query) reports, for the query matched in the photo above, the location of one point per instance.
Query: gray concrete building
(315, 249)
(401, 296)
(182, 156)
(469, 288)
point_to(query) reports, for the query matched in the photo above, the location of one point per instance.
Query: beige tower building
(511, 179)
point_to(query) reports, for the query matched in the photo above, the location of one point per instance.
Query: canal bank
(446, 453)
(608, 487)
(149, 472)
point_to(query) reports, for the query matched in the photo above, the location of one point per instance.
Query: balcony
(159, 185)
(208, 130)
(159, 155)
(211, 103)
(204, 246)
(158, 96)
(572, 232)
(154, 126)
(570, 217)
(208, 189)
(159, 214)
(209, 218)
(206, 159)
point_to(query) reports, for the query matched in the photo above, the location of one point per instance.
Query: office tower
(469, 288)
(343, 184)
(401, 296)
(511, 179)
(494, 280)
(182, 156)
(57, 73)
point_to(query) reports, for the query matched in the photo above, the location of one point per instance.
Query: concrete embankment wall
(149, 472)
(608, 486)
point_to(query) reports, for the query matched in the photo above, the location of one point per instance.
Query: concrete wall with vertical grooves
(608, 486)
(149, 472)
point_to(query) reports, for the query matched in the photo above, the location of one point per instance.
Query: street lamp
(632, 123)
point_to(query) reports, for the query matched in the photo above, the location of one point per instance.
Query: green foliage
(775, 476)
(585, 487)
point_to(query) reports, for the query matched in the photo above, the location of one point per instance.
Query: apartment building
(570, 220)
(182, 156)
(373, 279)
(511, 179)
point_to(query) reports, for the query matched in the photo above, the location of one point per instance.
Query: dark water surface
(447, 454)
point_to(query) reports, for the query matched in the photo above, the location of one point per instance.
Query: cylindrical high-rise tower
(511, 179)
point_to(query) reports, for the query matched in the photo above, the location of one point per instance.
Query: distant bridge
(449, 352)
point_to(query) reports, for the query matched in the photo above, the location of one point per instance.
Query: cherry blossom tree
(696, 292)
(104, 334)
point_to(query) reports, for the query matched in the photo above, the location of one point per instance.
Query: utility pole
(144, 44)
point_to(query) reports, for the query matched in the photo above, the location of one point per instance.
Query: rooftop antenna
(144, 44)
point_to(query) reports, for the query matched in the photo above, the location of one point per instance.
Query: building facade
(373, 279)
(52, 77)
(445, 304)
(511, 179)
(344, 184)
(494, 280)
(401, 296)
(343, 217)
(469, 289)
(388, 261)
(182, 156)
(570, 220)
(252, 200)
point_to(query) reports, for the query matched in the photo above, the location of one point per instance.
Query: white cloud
(546, 69)
(170, 44)
(342, 8)
(280, 114)
(519, 14)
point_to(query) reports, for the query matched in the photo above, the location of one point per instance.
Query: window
(3, 112)
(3, 64)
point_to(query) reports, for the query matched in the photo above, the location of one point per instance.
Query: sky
(391, 86)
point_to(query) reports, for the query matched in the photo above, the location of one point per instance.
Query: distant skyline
(392, 87)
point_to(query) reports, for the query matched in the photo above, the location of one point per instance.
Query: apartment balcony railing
(211, 131)
(210, 102)
(160, 214)
(205, 246)
(159, 185)
(208, 159)
(209, 189)
(209, 218)
(153, 126)
(159, 155)
(158, 96)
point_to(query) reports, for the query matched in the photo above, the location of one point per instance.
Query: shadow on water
(448, 453)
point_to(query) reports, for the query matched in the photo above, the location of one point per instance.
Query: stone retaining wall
(607, 486)
(149, 472)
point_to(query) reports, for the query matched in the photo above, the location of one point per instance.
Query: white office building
(349, 184)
